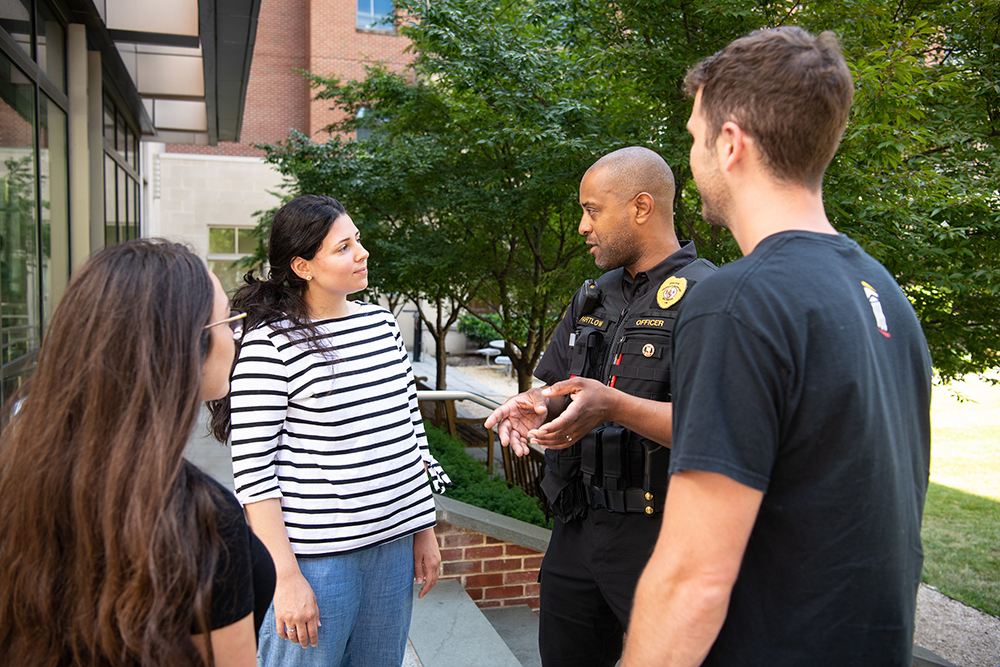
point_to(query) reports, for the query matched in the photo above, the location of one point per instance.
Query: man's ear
(731, 145)
(643, 206)
(300, 267)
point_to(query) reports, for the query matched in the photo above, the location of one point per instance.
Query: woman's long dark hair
(108, 542)
(297, 230)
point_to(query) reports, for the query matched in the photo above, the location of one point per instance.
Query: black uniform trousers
(588, 578)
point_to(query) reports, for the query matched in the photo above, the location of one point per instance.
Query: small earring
(309, 277)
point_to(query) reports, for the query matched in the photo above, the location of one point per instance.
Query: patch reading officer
(605, 415)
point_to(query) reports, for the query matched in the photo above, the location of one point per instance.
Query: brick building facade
(294, 35)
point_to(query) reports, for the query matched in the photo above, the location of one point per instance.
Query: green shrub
(478, 331)
(473, 485)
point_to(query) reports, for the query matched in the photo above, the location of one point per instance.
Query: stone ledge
(447, 629)
(492, 524)
(924, 658)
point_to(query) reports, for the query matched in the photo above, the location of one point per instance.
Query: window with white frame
(226, 245)
(376, 15)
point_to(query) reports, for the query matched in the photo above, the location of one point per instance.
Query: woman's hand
(295, 610)
(294, 600)
(426, 560)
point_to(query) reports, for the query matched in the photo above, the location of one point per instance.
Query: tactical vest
(626, 346)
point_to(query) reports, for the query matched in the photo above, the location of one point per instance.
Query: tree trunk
(441, 355)
(524, 369)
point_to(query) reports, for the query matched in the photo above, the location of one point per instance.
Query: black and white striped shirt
(336, 436)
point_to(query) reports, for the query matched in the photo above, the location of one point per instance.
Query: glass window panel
(230, 277)
(135, 151)
(375, 14)
(54, 204)
(221, 240)
(364, 13)
(120, 134)
(122, 204)
(15, 18)
(20, 302)
(110, 203)
(125, 219)
(51, 45)
(246, 242)
(126, 149)
(109, 120)
(137, 209)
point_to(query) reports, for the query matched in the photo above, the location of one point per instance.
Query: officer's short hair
(787, 89)
(636, 169)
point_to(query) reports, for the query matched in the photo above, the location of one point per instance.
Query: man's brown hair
(787, 89)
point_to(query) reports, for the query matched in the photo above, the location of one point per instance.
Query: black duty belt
(629, 500)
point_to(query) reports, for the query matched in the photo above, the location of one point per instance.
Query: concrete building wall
(193, 192)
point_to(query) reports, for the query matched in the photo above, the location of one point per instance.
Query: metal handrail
(509, 468)
(445, 395)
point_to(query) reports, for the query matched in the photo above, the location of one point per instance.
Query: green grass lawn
(961, 530)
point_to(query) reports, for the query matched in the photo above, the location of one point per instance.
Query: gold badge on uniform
(648, 350)
(671, 291)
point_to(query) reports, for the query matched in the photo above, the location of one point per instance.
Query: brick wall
(315, 35)
(493, 572)
(337, 48)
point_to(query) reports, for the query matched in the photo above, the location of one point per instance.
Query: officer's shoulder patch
(671, 291)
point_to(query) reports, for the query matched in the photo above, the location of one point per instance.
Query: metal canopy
(180, 66)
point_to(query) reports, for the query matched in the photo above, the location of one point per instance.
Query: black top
(245, 578)
(554, 364)
(801, 371)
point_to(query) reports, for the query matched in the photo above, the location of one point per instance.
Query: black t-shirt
(801, 371)
(245, 579)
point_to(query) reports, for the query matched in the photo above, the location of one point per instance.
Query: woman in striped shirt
(329, 454)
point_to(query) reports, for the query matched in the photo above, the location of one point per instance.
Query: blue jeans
(365, 599)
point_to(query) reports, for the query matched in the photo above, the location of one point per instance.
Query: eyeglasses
(234, 323)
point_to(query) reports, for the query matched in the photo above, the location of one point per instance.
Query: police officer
(605, 415)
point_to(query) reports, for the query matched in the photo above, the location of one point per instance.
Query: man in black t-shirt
(801, 439)
(607, 453)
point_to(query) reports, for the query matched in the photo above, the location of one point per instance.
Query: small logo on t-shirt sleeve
(872, 296)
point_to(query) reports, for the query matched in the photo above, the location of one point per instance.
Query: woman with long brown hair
(114, 550)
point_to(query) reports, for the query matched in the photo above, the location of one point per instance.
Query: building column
(95, 132)
(79, 151)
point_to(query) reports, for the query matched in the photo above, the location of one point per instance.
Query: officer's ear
(642, 207)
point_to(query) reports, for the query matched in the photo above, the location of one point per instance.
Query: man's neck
(656, 251)
(762, 211)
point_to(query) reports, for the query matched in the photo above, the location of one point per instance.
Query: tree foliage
(914, 181)
(466, 189)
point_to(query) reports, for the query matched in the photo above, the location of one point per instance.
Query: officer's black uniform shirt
(554, 365)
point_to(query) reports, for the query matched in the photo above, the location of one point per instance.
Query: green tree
(476, 153)
(914, 181)
(467, 187)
